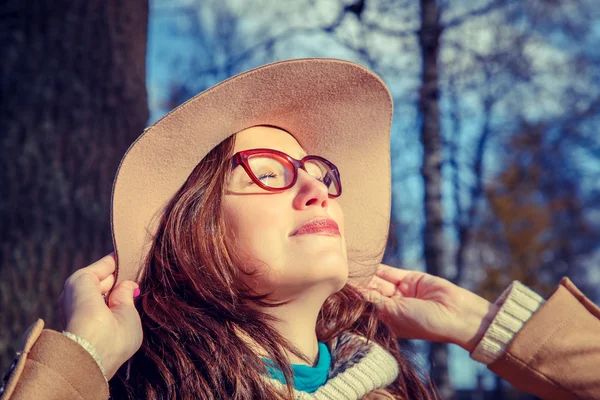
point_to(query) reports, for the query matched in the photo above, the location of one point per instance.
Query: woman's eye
(262, 177)
(265, 176)
(326, 179)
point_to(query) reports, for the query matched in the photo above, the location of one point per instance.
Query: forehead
(267, 137)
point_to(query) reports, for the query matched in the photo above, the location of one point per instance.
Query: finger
(103, 267)
(123, 308)
(376, 298)
(391, 274)
(96, 273)
(107, 283)
(382, 286)
(122, 295)
(83, 284)
(372, 295)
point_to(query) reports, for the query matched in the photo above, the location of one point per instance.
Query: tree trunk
(72, 99)
(433, 240)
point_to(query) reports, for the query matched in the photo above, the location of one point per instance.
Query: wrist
(474, 322)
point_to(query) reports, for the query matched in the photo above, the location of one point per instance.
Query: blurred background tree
(495, 153)
(72, 99)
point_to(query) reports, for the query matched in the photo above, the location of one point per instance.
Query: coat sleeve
(51, 366)
(556, 354)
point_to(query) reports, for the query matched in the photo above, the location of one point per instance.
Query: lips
(319, 225)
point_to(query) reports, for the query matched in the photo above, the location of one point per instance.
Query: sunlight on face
(262, 222)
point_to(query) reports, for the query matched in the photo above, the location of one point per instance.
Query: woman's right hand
(422, 306)
(115, 330)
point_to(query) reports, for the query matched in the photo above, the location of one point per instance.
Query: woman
(229, 217)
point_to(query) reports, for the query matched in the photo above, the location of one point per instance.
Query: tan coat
(556, 355)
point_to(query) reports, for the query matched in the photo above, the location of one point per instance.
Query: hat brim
(335, 109)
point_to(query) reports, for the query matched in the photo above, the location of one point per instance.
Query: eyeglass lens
(278, 172)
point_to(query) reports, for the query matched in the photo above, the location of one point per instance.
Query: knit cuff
(89, 348)
(517, 305)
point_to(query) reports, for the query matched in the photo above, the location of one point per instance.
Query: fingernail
(136, 293)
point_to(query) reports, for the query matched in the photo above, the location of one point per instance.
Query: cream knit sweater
(517, 305)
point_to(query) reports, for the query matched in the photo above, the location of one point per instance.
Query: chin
(327, 279)
(338, 279)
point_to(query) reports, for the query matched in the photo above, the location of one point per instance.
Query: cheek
(257, 227)
(338, 215)
(259, 231)
(335, 210)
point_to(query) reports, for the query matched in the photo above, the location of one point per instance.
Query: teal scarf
(307, 379)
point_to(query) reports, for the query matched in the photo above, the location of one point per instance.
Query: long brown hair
(194, 306)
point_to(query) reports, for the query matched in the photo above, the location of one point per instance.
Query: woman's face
(261, 225)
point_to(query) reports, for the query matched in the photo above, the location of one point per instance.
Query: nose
(310, 192)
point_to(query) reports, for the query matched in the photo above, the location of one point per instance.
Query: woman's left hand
(113, 329)
(422, 306)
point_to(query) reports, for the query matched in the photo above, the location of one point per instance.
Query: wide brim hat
(334, 108)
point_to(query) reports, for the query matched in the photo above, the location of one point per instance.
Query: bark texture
(72, 99)
(433, 240)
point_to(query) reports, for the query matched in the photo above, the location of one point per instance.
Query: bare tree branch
(390, 32)
(477, 12)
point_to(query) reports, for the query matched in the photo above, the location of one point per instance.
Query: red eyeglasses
(276, 171)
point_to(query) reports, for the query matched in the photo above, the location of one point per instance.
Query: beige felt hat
(335, 109)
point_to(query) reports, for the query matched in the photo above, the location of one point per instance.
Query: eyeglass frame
(241, 158)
